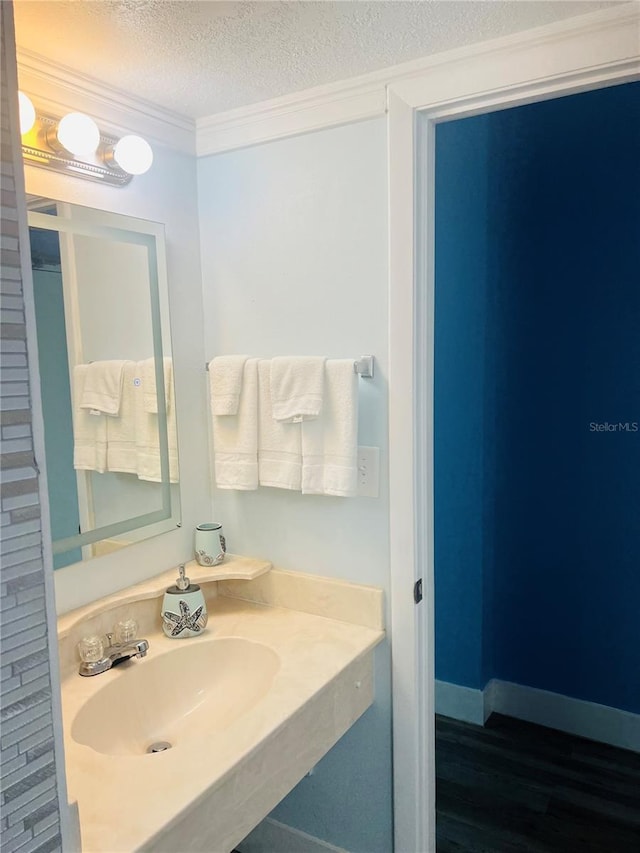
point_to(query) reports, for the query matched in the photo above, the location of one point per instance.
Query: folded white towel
(148, 439)
(225, 383)
(102, 389)
(89, 430)
(296, 388)
(330, 443)
(235, 437)
(149, 388)
(122, 454)
(279, 444)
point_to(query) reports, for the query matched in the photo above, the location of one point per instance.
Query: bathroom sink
(248, 708)
(176, 698)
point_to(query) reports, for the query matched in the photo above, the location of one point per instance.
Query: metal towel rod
(363, 366)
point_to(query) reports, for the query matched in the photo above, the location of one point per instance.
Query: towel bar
(363, 366)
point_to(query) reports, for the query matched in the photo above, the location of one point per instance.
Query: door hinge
(417, 591)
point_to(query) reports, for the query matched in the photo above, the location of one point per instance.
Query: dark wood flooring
(514, 786)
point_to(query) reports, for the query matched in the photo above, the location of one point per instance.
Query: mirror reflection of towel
(127, 443)
(102, 390)
(122, 455)
(148, 437)
(89, 430)
(149, 388)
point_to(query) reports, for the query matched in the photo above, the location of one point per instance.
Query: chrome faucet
(113, 654)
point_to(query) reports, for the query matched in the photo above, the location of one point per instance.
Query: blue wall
(537, 338)
(464, 328)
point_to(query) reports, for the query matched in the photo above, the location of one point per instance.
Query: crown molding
(363, 97)
(58, 89)
(594, 48)
(289, 115)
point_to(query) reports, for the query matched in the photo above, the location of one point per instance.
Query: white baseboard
(575, 716)
(271, 836)
(460, 703)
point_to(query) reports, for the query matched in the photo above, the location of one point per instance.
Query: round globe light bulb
(79, 134)
(27, 113)
(133, 154)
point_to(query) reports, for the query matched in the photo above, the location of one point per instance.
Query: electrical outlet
(368, 472)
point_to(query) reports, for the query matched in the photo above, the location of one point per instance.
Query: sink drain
(159, 746)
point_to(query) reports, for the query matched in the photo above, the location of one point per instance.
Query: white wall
(167, 194)
(294, 260)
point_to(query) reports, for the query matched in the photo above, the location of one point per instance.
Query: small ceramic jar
(210, 545)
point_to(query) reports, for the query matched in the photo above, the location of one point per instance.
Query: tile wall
(29, 813)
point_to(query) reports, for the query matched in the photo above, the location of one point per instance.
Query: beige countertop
(207, 794)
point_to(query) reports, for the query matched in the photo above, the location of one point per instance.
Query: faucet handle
(91, 649)
(126, 630)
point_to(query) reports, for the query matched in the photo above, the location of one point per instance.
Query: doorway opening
(536, 454)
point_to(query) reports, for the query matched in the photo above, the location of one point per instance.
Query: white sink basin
(178, 697)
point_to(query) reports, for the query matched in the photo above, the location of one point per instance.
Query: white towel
(89, 430)
(330, 443)
(235, 437)
(122, 454)
(296, 388)
(279, 444)
(148, 439)
(148, 378)
(102, 389)
(225, 383)
(148, 448)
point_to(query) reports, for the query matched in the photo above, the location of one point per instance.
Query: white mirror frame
(150, 235)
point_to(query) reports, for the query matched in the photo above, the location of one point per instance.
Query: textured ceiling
(199, 58)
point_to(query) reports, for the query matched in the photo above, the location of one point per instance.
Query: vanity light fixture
(76, 146)
(27, 113)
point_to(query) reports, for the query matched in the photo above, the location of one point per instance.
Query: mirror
(106, 376)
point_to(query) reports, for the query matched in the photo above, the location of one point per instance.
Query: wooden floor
(514, 786)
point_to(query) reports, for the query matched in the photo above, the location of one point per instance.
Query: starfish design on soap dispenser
(185, 621)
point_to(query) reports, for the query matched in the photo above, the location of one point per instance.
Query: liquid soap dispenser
(184, 612)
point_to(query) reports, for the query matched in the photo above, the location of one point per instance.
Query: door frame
(588, 52)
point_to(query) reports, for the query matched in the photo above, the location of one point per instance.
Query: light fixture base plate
(37, 152)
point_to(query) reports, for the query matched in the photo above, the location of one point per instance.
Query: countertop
(129, 803)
